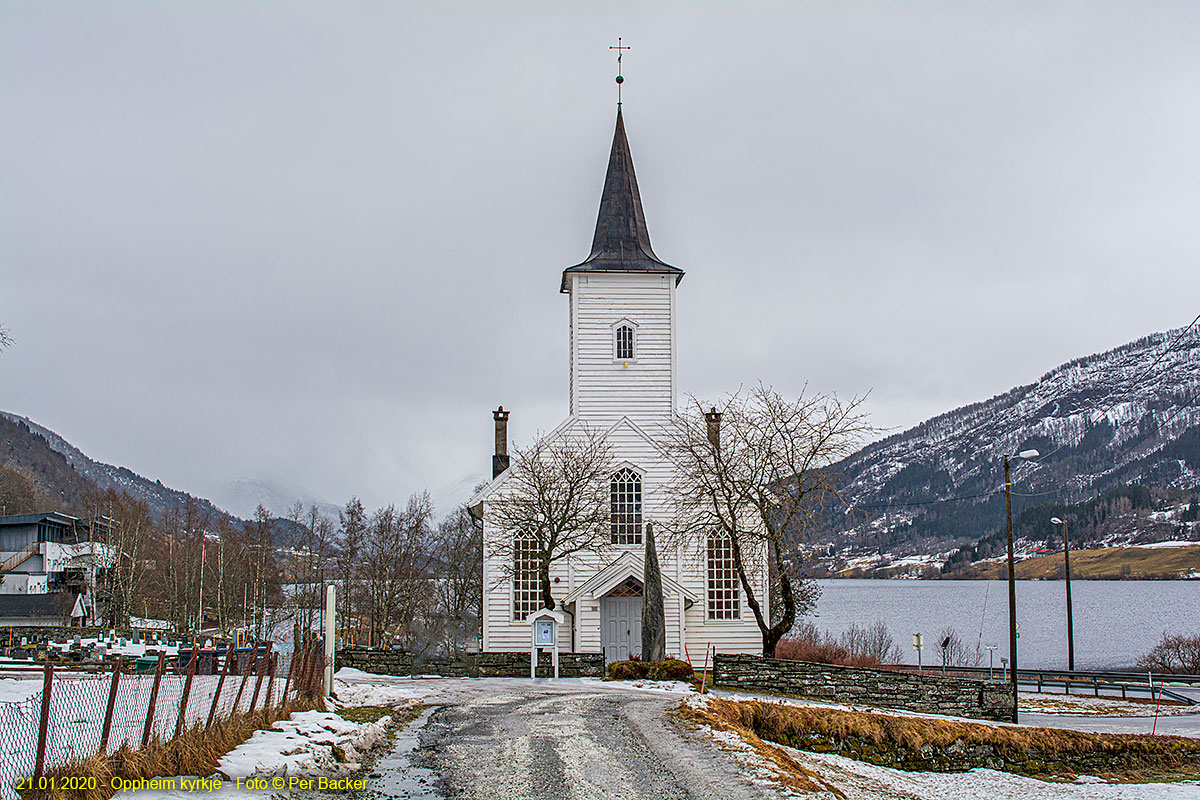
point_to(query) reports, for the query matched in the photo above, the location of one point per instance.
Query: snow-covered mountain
(243, 496)
(1127, 416)
(29, 454)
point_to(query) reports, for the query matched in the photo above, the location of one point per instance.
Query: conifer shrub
(671, 669)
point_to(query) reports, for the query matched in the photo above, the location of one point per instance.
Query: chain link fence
(74, 718)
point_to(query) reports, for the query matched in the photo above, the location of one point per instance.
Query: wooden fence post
(220, 684)
(270, 701)
(300, 688)
(187, 690)
(112, 704)
(43, 727)
(259, 670)
(158, 671)
(288, 681)
(241, 687)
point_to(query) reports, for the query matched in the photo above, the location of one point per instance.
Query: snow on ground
(353, 687)
(1097, 706)
(13, 690)
(864, 781)
(1157, 545)
(302, 746)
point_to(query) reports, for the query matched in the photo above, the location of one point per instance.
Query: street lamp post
(1012, 575)
(1067, 567)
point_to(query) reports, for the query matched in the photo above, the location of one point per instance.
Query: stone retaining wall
(475, 665)
(933, 694)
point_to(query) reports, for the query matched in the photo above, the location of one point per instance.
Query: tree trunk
(547, 596)
(654, 627)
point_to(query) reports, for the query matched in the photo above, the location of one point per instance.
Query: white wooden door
(620, 627)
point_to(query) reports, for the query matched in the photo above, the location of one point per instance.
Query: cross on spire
(620, 48)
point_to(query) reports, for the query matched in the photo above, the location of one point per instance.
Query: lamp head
(1056, 521)
(1028, 454)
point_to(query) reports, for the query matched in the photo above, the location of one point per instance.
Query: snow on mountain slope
(1129, 415)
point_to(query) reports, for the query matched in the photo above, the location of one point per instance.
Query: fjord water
(1116, 622)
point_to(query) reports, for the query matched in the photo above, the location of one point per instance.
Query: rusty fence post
(112, 704)
(44, 725)
(187, 690)
(259, 670)
(158, 671)
(241, 686)
(220, 685)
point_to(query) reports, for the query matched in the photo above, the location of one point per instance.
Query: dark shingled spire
(622, 241)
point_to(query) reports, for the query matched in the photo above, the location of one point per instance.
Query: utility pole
(1067, 568)
(1012, 576)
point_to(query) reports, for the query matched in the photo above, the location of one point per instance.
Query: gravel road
(548, 742)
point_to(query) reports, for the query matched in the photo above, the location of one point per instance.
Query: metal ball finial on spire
(620, 48)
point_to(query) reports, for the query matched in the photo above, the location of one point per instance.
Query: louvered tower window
(626, 511)
(724, 600)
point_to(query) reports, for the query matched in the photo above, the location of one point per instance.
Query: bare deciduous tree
(761, 481)
(460, 580)
(396, 586)
(556, 498)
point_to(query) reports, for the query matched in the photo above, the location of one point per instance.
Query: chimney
(713, 418)
(500, 459)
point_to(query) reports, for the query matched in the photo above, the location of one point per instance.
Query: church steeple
(622, 241)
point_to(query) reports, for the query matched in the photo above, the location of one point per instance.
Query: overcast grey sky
(317, 242)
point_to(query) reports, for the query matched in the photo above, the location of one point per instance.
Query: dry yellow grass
(195, 752)
(1108, 564)
(795, 725)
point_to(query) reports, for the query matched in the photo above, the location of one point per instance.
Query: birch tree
(759, 473)
(555, 501)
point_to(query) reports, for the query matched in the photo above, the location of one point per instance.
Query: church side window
(626, 512)
(624, 343)
(526, 591)
(724, 600)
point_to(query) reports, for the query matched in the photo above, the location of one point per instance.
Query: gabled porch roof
(626, 565)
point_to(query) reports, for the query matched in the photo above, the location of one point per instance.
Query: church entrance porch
(621, 621)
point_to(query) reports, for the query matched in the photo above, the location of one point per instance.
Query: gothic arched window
(724, 600)
(625, 492)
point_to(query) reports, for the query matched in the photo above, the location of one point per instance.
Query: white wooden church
(623, 382)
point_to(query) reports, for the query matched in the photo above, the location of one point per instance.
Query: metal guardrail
(1085, 681)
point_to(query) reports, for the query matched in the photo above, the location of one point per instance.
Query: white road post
(330, 605)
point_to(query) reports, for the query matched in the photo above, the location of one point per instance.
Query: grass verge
(936, 745)
(195, 752)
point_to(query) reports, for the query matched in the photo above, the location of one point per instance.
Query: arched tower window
(724, 599)
(526, 588)
(624, 340)
(625, 492)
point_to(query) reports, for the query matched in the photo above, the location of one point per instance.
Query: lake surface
(1116, 622)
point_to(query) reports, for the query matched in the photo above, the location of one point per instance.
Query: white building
(623, 382)
(48, 569)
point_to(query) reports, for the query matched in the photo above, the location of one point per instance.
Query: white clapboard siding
(601, 386)
(630, 403)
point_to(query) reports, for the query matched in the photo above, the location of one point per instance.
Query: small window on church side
(724, 600)
(624, 343)
(527, 594)
(626, 512)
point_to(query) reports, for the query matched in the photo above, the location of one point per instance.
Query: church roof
(622, 241)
